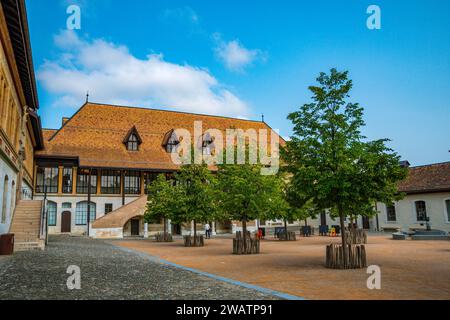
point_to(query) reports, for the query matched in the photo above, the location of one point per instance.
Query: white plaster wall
(100, 202)
(406, 213)
(108, 233)
(5, 169)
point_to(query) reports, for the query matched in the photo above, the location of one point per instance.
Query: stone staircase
(26, 226)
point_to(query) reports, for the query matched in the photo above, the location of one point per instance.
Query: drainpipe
(89, 204)
(45, 216)
(21, 153)
(123, 188)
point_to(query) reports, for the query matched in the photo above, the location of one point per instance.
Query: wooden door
(135, 227)
(66, 222)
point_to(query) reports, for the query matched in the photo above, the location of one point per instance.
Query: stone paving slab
(106, 273)
(409, 269)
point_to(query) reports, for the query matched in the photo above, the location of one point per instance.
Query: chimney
(64, 120)
(405, 164)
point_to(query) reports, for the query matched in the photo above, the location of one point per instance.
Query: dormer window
(171, 142)
(172, 146)
(132, 140)
(132, 144)
(207, 145)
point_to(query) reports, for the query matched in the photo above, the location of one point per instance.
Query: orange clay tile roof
(95, 135)
(48, 133)
(429, 178)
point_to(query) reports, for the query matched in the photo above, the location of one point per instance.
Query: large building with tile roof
(104, 157)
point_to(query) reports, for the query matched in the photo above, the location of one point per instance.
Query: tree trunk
(344, 240)
(244, 231)
(306, 222)
(285, 228)
(165, 226)
(195, 233)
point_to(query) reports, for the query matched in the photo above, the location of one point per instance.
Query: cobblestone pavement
(106, 273)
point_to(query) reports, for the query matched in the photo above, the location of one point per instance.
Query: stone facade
(17, 139)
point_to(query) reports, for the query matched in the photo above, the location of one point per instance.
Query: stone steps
(26, 226)
(29, 246)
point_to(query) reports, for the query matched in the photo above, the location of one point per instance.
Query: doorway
(366, 223)
(66, 222)
(323, 219)
(176, 229)
(135, 227)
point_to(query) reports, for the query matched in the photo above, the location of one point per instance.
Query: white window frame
(414, 212)
(446, 214)
(386, 214)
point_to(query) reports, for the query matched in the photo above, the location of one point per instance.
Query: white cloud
(234, 55)
(113, 75)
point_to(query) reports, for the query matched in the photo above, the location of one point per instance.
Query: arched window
(132, 140)
(51, 213)
(5, 198)
(171, 141)
(172, 144)
(82, 212)
(208, 145)
(132, 144)
(421, 211)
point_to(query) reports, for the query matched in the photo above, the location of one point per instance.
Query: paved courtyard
(409, 269)
(106, 273)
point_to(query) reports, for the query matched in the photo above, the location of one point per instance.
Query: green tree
(246, 194)
(160, 205)
(328, 158)
(195, 195)
(301, 205)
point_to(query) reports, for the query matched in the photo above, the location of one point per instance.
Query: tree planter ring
(356, 257)
(163, 237)
(194, 241)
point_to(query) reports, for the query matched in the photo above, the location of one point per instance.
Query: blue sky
(245, 58)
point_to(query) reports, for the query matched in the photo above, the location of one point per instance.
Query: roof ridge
(430, 165)
(174, 111)
(69, 120)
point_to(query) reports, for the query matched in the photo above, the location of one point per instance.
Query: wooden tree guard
(194, 241)
(163, 237)
(252, 244)
(356, 236)
(356, 256)
(291, 236)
